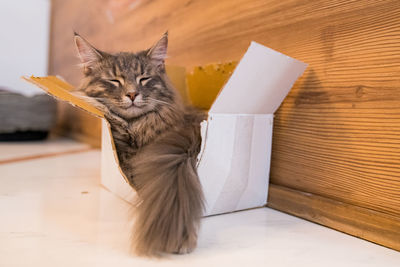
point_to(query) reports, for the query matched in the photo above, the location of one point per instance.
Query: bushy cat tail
(168, 215)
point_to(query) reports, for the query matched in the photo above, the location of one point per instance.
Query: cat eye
(115, 82)
(142, 80)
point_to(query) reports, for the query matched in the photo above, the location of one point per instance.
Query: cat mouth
(134, 106)
(130, 111)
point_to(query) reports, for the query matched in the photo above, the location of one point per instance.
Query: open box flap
(61, 90)
(260, 82)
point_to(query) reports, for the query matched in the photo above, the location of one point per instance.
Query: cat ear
(87, 53)
(158, 52)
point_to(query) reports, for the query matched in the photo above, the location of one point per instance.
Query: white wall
(24, 42)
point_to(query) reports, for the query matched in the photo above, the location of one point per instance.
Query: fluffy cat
(157, 140)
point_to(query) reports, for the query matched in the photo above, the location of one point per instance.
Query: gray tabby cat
(157, 139)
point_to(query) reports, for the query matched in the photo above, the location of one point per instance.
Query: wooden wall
(336, 146)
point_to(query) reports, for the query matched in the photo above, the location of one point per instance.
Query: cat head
(128, 84)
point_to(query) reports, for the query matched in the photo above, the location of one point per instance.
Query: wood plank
(337, 133)
(371, 225)
(287, 26)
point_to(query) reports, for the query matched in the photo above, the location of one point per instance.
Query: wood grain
(337, 133)
(371, 225)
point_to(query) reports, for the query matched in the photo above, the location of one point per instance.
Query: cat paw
(184, 250)
(186, 247)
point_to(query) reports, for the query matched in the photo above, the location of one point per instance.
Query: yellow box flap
(61, 90)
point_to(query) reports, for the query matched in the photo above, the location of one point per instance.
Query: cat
(157, 140)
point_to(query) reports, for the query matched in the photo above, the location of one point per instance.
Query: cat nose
(132, 95)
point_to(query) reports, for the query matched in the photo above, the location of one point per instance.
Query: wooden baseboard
(78, 124)
(367, 224)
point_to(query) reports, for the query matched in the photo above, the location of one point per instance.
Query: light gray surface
(21, 113)
(53, 212)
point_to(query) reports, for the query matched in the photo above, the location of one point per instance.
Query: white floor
(53, 212)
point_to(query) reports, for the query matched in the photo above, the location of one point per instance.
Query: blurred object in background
(25, 118)
(26, 113)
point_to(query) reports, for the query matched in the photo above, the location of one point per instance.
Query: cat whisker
(160, 101)
(95, 101)
(80, 94)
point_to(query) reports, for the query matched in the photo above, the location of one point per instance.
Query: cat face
(128, 84)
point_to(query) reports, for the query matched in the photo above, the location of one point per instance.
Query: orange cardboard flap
(61, 90)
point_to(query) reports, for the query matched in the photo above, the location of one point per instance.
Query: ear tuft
(158, 52)
(87, 53)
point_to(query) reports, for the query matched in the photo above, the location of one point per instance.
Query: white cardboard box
(234, 162)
